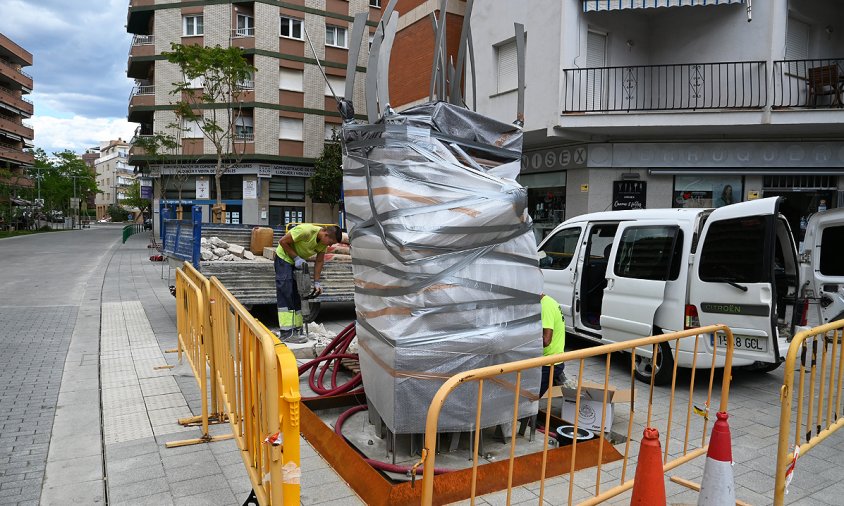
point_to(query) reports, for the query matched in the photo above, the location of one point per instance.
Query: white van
(822, 266)
(622, 275)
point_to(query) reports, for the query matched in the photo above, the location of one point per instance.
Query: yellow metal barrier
(689, 451)
(817, 414)
(258, 383)
(205, 286)
(193, 326)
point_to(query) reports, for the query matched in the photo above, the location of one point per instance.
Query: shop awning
(614, 5)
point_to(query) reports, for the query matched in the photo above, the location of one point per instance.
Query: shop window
(281, 216)
(707, 191)
(232, 187)
(287, 188)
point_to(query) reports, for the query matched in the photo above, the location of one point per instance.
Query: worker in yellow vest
(297, 245)
(553, 340)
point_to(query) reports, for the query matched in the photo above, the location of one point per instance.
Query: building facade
(114, 175)
(690, 104)
(15, 134)
(90, 158)
(287, 110)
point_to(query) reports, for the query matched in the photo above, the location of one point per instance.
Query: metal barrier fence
(193, 324)
(130, 230)
(648, 346)
(258, 383)
(818, 412)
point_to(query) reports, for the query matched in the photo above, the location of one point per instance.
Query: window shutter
(596, 58)
(290, 79)
(797, 40)
(339, 85)
(290, 128)
(508, 77)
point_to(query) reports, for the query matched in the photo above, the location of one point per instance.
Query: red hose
(330, 358)
(377, 464)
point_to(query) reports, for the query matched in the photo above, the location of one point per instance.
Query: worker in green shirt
(301, 242)
(553, 340)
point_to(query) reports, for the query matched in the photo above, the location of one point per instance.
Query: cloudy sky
(79, 48)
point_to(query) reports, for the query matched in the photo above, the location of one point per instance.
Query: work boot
(292, 336)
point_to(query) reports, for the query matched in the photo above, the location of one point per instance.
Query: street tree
(216, 110)
(134, 199)
(62, 177)
(327, 181)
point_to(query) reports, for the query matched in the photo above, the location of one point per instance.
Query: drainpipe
(769, 61)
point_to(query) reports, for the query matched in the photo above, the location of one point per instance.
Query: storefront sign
(547, 160)
(262, 170)
(146, 192)
(717, 154)
(629, 195)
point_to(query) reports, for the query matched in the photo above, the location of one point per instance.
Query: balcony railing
(146, 89)
(243, 32)
(687, 86)
(143, 40)
(809, 83)
(247, 84)
(244, 137)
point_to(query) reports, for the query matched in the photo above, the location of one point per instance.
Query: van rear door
(823, 268)
(731, 280)
(639, 266)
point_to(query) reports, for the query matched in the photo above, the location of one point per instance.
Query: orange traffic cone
(718, 486)
(649, 482)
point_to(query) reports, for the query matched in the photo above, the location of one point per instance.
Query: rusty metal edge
(374, 489)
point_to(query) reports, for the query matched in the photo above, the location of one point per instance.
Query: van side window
(734, 250)
(559, 249)
(647, 252)
(832, 244)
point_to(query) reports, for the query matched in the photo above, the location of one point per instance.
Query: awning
(613, 5)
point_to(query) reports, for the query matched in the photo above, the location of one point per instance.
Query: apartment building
(15, 134)
(90, 158)
(114, 175)
(287, 109)
(670, 103)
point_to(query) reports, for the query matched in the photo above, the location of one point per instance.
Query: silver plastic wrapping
(445, 266)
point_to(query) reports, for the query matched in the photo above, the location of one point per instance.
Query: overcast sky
(79, 49)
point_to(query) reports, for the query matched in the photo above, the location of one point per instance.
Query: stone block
(248, 255)
(220, 252)
(236, 250)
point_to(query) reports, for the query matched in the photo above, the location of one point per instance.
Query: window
(244, 128)
(339, 85)
(734, 250)
(291, 28)
(832, 243)
(506, 63)
(647, 252)
(796, 46)
(191, 130)
(291, 80)
(559, 250)
(245, 26)
(290, 129)
(707, 191)
(330, 128)
(375, 3)
(192, 26)
(195, 83)
(232, 187)
(287, 188)
(335, 36)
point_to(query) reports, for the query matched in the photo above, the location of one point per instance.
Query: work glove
(317, 288)
(299, 262)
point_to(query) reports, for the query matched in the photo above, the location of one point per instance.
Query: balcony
(141, 96)
(142, 45)
(16, 155)
(15, 73)
(244, 38)
(22, 129)
(809, 83)
(139, 17)
(690, 86)
(16, 101)
(244, 137)
(242, 33)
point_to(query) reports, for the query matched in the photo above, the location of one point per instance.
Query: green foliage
(61, 177)
(327, 181)
(215, 108)
(117, 213)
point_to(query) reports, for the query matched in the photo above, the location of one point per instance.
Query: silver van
(621, 275)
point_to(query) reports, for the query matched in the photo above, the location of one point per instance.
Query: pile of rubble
(215, 249)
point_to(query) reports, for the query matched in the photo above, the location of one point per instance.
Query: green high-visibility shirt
(552, 318)
(305, 242)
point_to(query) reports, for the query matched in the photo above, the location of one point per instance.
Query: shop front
(544, 174)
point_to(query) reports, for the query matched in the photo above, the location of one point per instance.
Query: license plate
(748, 343)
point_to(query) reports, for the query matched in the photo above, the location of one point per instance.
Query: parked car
(147, 224)
(621, 275)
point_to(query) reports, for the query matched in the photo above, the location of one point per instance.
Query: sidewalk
(140, 403)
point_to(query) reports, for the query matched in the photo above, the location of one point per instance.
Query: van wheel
(663, 369)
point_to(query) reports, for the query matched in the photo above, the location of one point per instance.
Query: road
(43, 280)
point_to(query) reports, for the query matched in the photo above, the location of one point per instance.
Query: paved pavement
(84, 413)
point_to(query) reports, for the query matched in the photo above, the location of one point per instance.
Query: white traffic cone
(718, 486)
